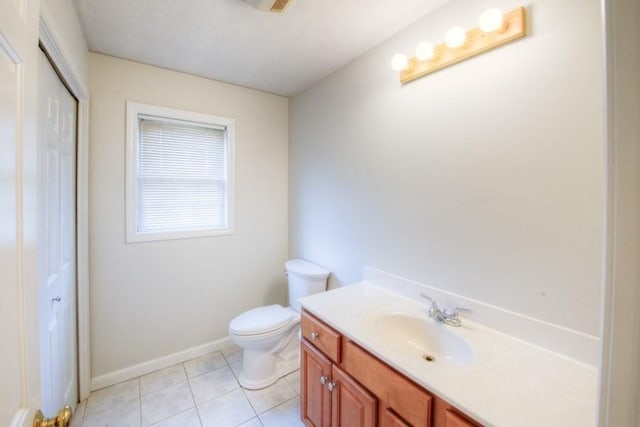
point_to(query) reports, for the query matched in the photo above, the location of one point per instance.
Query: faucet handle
(453, 313)
(425, 296)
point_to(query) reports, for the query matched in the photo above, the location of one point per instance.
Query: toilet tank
(304, 279)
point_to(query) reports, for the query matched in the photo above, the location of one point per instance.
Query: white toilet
(269, 335)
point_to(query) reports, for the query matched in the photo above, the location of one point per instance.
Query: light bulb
(491, 20)
(399, 62)
(424, 51)
(456, 37)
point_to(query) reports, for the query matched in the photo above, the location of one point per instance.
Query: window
(179, 174)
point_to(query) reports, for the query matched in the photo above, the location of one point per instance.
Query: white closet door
(57, 208)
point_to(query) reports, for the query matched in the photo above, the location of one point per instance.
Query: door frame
(54, 50)
(619, 393)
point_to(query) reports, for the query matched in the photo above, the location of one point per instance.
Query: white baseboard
(21, 419)
(573, 344)
(144, 368)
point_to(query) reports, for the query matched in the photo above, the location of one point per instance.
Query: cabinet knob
(324, 379)
(331, 386)
(314, 336)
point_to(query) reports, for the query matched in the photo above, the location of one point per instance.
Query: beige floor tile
(229, 410)
(166, 403)
(254, 422)
(264, 399)
(294, 380)
(113, 396)
(162, 379)
(204, 364)
(213, 384)
(201, 392)
(123, 414)
(232, 353)
(189, 418)
(285, 415)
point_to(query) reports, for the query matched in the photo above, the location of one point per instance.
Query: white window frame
(134, 112)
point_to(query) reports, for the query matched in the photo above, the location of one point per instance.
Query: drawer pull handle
(314, 336)
(324, 379)
(331, 386)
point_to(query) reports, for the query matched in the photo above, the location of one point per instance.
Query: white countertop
(510, 383)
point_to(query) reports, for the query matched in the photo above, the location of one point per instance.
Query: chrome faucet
(450, 317)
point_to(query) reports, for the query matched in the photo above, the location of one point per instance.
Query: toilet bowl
(269, 335)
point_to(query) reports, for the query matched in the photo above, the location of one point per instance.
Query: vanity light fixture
(277, 6)
(455, 37)
(399, 62)
(424, 51)
(491, 20)
(494, 29)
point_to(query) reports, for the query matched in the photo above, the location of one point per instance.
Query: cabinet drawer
(323, 337)
(411, 402)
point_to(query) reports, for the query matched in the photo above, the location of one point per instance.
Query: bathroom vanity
(344, 385)
(371, 357)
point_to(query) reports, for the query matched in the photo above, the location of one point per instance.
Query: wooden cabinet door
(410, 401)
(455, 420)
(388, 418)
(351, 404)
(315, 397)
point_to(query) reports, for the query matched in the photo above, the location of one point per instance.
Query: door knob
(324, 379)
(314, 336)
(61, 420)
(56, 299)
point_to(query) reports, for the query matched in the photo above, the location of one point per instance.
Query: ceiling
(230, 41)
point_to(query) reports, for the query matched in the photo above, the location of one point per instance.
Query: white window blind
(178, 174)
(181, 177)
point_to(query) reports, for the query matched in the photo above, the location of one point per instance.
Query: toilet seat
(261, 320)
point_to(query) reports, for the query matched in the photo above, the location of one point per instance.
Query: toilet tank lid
(305, 269)
(261, 320)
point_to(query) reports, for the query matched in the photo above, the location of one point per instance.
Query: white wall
(485, 178)
(149, 300)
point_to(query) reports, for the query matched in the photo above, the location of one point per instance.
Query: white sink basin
(432, 341)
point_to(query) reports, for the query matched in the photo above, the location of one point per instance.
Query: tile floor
(202, 392)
